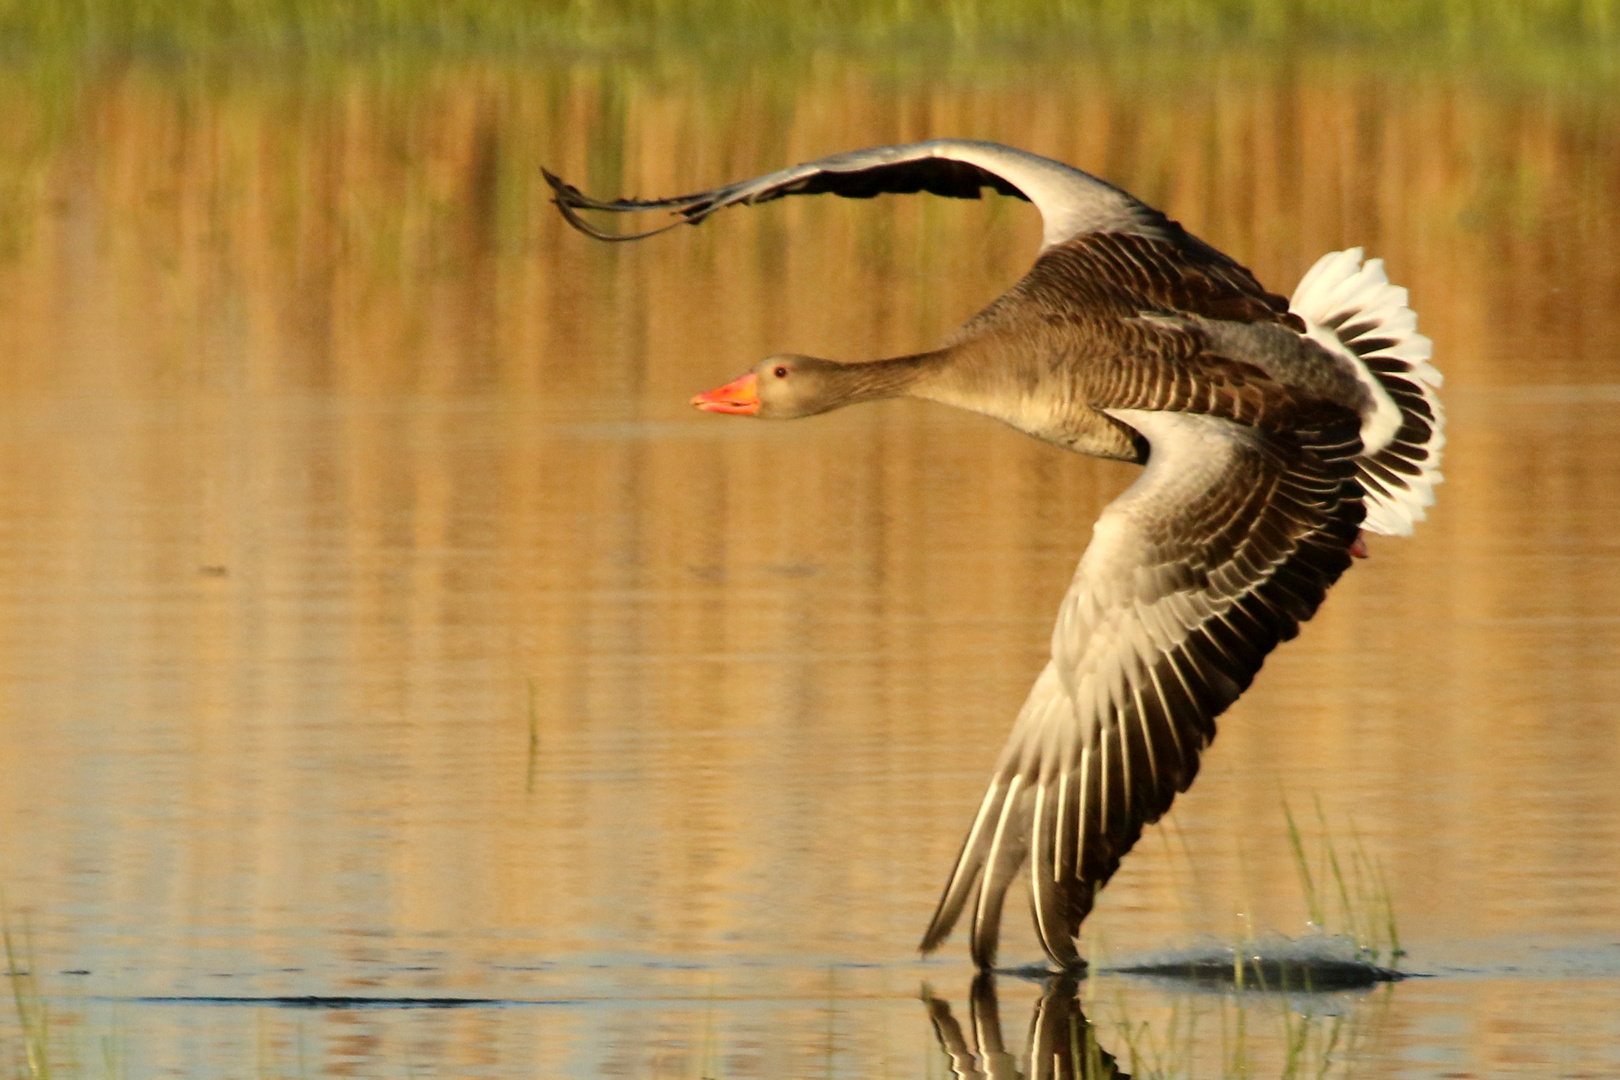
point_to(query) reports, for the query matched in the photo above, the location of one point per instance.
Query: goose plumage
(1271, 433)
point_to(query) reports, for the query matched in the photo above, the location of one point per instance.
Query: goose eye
(780, 372)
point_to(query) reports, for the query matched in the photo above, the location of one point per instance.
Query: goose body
(1272, 432)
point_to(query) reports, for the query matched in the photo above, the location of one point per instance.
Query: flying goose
(1272, 432)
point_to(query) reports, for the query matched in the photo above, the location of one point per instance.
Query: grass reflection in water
(309, 317)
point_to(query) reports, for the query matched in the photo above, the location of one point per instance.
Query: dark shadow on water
(1310, 964)
(1268, 975)
(1061, 1040)
(317, 1001)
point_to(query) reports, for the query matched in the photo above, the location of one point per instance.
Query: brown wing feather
(1141, 322)
(1126, 273)
(1189, 585)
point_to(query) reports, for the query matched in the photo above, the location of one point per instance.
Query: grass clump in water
(42, 1051)
(1365, 909)
(33, 1014)
(1352, 941)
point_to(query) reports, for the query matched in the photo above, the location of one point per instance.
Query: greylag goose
(1272, 432)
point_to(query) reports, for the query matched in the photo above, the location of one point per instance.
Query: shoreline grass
(195, 27)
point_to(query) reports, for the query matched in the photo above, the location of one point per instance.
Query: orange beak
(738, 396)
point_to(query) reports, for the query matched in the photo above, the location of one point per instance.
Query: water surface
(378, 621)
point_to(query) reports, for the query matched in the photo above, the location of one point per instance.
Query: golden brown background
(332, 466)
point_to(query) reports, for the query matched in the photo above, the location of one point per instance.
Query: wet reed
(33, 1014)
(1365, 913)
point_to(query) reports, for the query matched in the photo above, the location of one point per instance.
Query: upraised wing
(1221, 548)
(1071, 202)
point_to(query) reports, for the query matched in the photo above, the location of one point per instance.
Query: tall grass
(33, 1014)
(1365, 912)
(505, 25)
(44, 1047)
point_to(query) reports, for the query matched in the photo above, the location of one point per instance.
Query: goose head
(789, 386)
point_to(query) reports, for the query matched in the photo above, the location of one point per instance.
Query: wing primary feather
(1000, 864)
(569, 200)
(1047, 892)
(1062, 862)
(1150, 718)
(1159, 778)
(1041, 893)
(1082, 824)
(1103, 776)
(1145, 777)
(1115, 727)
(1083, 833)
(969, 861)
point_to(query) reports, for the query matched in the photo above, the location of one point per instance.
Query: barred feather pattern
(1350, 307)
(1225, 544)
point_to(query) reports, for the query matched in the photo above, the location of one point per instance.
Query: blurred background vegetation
(281, 291)
(30, 28)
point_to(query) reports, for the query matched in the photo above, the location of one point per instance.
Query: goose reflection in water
(1062, 1044)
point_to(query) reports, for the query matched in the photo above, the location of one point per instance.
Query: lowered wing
(1220, 549)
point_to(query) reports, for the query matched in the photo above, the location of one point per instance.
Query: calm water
(379, 622)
